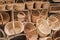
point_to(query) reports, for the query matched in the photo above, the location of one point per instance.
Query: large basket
(9, 30)
(19, 6)
(30, 31)
(30, 5)
(43, 28)
(38, 4)
(9, 6)
(4, 18)
(21, 16)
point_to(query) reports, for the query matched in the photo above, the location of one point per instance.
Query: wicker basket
(19, 6)
(21, 16)
(35, 16)
(38, 4)
(30, 5)
(9, 6)
(46, 5)
(43, 28)
(9, 30)
(4, 18)
(30, 31)
(2, 7)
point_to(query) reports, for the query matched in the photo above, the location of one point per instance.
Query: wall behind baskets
(22, 10)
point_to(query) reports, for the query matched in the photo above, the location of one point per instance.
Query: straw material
(21, 16)
(43, 28)
(19, 6)
(38, 4)
(46, 5)
(30, 5)
(30, 31)
(18, 28)
(9, 6)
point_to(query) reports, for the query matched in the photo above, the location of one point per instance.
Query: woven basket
(30, 31)
(21, 16)
(38, 4)
(9, 30)
(9, 6)
(2, 7)
(4, 18)
(43, 28)
(46, 5)
(35, 16)
(19, 6)
(30, 5)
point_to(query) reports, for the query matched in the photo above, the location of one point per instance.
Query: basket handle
(2, 32)
(1, 17)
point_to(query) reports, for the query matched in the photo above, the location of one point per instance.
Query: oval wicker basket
(21, 16)
(38, 4)
(19, 6)
(43, 28)
(9, 30)
(30, 31)
(30, 5)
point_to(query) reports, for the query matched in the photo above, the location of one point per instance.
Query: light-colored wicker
(30, 4)
(19, 6)
(9, 30)
(21, 16)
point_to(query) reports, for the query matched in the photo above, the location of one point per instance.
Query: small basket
(30, 31)
(43, 28)
(38, 4)
(30, 5)
(35, 16)
(21, 16)
(46, 5)
(2, 7)
(4, 18)
(19, 6)
(9, 6)
(9, 30)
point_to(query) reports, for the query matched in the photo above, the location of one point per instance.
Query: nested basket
(54, 22)
(45, 38)
(56, 35)
(2, 7)
(10, 30)
(38, 4)
(30, 5)
(21, 16)
(19, 6)
(9, 6)
(4, 18)
(35, 16)
(30, 31)
(4, 36)
(43, 28)
(46, 5)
